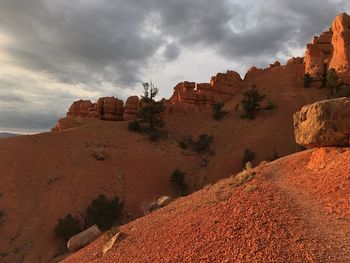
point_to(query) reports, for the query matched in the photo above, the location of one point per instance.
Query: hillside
(45, 176)
(296, 209)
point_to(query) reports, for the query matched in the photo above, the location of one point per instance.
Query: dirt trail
(329, 228)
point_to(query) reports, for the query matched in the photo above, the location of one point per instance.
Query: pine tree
(251, 102)
(332, 82)
(149, 119)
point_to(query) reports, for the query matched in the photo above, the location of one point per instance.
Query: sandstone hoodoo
(330, 50)
(324, 123)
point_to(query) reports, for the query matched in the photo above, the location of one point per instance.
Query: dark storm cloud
(115, 41)
(95, 41)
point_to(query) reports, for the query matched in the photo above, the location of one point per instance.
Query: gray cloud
(115, 41)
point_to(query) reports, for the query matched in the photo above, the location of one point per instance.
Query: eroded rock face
(330, 50)
(132, 105)
(295, 60)
(340, 60)
(188, 96)
(83, 239)
(324, 123)
(110, 109)
(84, 111)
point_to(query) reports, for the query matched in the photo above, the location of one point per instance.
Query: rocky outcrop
(340, 60)
(110, 109)
(295, 60)
(107, 108)
(324, 123)
(252, 73)
(83, 239)
(275, 65)
(190, 95)
(330, 50)
(132, 105)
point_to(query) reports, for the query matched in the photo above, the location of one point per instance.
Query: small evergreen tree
(251, 102)
(149, 118)
(332, 82)
(218, 113)
(307, 80)
(104, 212)
(178, 178)
(67, 227)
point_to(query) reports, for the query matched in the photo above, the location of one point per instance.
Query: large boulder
(83, 238)
(324, 123)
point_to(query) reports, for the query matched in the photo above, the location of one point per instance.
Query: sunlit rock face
(330, 50)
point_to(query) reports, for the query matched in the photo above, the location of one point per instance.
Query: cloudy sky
(53, 52)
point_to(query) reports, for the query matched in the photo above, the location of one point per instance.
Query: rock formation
(330, 50)
(131, 108)
(222, 87)
(83, 239)
(323, 123)
(341, 44)
(106, 108)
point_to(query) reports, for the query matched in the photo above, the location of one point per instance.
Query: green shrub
(178, 179)
(248, 156)
(251, 103)
(307, 80)
(218, 113)
(202, 144)
(67, 227)
(134, 126)
(332, 82)
(269, 105)
(103, 212)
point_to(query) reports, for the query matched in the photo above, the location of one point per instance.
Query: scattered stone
(108, 246)
(83, 238)
(161, 202)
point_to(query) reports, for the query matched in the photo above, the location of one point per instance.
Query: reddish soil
(296, 209)
(43, 177)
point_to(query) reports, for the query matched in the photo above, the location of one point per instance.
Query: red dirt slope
(296, 209)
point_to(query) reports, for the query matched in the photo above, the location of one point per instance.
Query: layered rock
(107, 108)
(340, 60)
(110, 109)
(330, 50)
(132, 105)
(222, 87)
(317, 56)
(324, 123)
(295, 61)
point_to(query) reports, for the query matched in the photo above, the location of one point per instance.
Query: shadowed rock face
(323, 123)
(330, 50)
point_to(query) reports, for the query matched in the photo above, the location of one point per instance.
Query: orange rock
(295, 60)
(80, 108)
(110, 109)
(252, 73)
(131, 108)
(341, 43)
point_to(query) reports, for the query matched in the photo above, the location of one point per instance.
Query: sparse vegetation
(103, 212)
(149, 119)
(248, 156)
(178, 179)
(269, 105)
(251, 103)
(307, 80)
(201, 145)
(332, 82)
(218, 113)
(67, 227)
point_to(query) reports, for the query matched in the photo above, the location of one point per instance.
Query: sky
(53, 52)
